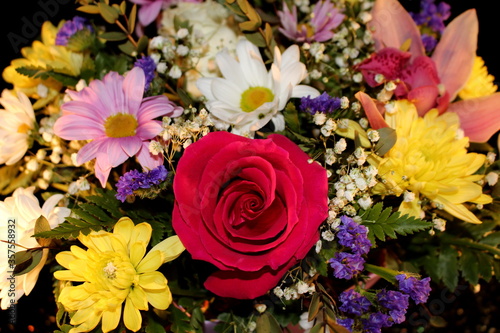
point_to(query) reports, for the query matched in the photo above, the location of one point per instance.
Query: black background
(36, 313)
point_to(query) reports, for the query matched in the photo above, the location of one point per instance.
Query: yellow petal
(153, 281)
(160, 300)
(171, 248)
(132, 316)
(459, 211)
(90, 324)
(82, 315)
(110, 319)
(138, 298)
(64, 258)
(124, 227)
(66, 275)
(142, 233)
(137, 251)
(151, 262)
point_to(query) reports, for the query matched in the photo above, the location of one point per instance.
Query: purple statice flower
(375, 322)
(324, 19)
(148, 65)
(323, 103)
(418, 290)
(429, 42)
(133, 180)
(354, 236)
(353, 303)
(395, 302)
(346, 322)
(71, 27)
(431, 16)
(346, 265)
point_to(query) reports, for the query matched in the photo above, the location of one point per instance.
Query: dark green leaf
(387, 140)
(485, 265)
(113, 36)
(256, 38)
(469, 266)
(292, 118)
(142, 44)
(27, 260)
(448, 266)
(314, 307)
(492, 239)
(266, 323)
(108, 13)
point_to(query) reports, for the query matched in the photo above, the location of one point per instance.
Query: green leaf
(142, 44)
(180, 321)
(197, 320)
(485, 265)
(292, 117)
(492, 239)
(314, 307)
(27, 260)
(469, 266)
(44, 74)
(256, 38)
(266, 323)
(384, 223)
(153, 325)
(113, 36)
(108, 13)
(448, 266)
(387, 140)
(89, 9)
(132, 18)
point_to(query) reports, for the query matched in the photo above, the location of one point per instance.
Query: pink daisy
(113, 114)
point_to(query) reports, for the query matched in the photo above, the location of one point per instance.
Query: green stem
(473, 245)
(385, 273)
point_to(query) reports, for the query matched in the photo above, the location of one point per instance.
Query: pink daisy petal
(89, 151)
(147, 160)
(157, 106)
(131, 145)
(69, 128)
(149, 130)
(133, 90)
(116, 155)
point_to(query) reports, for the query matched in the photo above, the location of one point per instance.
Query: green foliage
(46, 73)
(384, 223)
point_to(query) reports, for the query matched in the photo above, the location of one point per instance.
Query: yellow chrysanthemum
(480, 83)
(44, 54)
(115, 270)
(430, 159)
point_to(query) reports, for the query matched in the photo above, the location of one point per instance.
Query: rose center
(120, 125)
(254, 97)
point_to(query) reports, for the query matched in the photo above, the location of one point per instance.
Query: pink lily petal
(389, 62)
(424, 98)
(479, 117)
(373, 112)
(392, 26)
(454, 55)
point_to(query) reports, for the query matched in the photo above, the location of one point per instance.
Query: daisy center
(120, 125)
(254, 97)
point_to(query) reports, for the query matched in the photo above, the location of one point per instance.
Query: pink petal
(89, 151)
(393, 26)
(389, 62)
(157, 106)
(454, 55)
(147, 160)
(73, 127)
(115, 153)
(479, 117)
(424, 98)
(373, 113)
(131, 145)
(133, 90)
(148, 13)
(149, 130)
(102, 169)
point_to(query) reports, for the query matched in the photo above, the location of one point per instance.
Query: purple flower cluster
(354, 303)
(71, 27)
(323, 103)
(134, 180)
(375, 322)
(418, 290)
(353, 236)
(395, 302)
(148, 65)
(431, 16)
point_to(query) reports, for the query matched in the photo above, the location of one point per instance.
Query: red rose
(251, 207)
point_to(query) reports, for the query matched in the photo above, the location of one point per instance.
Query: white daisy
(249, 95)
(18, 120)
(23, 208)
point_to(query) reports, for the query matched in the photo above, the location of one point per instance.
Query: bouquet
(247, 165)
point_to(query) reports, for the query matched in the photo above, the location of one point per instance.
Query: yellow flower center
(120, 125)
(254, 97)
(480, 83)
(23, 128)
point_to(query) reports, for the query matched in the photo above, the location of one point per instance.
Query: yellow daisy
(430, 158)
(112, 271)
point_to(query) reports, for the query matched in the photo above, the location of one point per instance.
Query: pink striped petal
(373, 113)
(148, 130)
(392, 26)
(454, 55)
(479, 117)
(157, 106)
(89, 151)
(130, 145)
(102, 169)
(116, 155)
(133, 90)
(73, 127)
(147, 160)
(85, 109)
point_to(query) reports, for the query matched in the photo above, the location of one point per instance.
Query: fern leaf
(383, 223)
